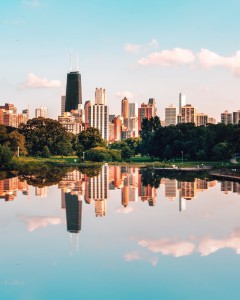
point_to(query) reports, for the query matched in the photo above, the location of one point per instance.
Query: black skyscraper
(73, 213)
(73, 91)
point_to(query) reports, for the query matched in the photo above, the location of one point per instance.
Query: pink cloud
(209, 245)
(34, 223)
(175, 56)
(33, 82)
(131, 48)
(209, 59)
(168, 247)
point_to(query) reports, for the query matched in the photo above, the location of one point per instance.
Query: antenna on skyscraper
(77, 63)
(70, 60)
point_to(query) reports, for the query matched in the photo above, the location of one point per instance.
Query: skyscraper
(226, 117)
(41, 112)
(73, 91)
(170, 115)
(182, 102)
(125, 108)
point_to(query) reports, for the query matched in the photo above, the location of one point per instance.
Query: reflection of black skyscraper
(73, 91)
(73, 213)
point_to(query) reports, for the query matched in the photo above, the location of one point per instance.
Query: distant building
(100, 96)
(226, 117)
(10, 117)
(212, 121)
(63, 102)
(201, 119)
(170, 115)
(146, 111)
(125, 108)
(41, 112)
(236, 117)
(188, 114)
(182, 102)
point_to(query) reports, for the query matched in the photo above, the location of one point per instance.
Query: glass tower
(73, 91)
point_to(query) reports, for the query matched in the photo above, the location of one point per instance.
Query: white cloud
(210, 59)
(168, 247)
(34, 82)
(131, 48)
(126, 94)
(34, 223)
(175, 56)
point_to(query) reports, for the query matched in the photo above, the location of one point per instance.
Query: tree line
(43, 137)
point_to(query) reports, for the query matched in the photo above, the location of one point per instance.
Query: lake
(120, 235)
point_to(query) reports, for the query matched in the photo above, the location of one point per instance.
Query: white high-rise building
(182, 102)
(98, 115)
(170, 115)
(100, 96)
(41, 112)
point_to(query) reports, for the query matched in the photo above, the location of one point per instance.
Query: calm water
(111, 237)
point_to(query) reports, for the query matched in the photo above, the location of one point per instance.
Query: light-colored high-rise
(201, 119)
(170, 115)
(132, 109)
(226, 117)
(41, 112)
(182, 102)
(98, 115)
(146, 111)
(63, 102)
(188, 114)
(100, 96)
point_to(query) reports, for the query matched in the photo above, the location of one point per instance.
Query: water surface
(112, 237)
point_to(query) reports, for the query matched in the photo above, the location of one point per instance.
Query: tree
(41, 132)
(88, 139)
(5, 155)
(17, 141)
(134, 144)
(46, 152)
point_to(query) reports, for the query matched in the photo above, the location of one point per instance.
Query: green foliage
(123, 147)
(41, 132)
(88, 139)
(212, 142)
(15, 141)
(134, 144)
(5, 155)
(46, 152)
(101, 154)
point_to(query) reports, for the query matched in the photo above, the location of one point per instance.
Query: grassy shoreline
(21, 164)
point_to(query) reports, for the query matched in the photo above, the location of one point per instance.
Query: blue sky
(140, 49)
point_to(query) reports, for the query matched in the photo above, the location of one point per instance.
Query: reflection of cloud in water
(125, 210)
(34, 223)
(168, 247)
(209, 245)
(205, 246)
(134, 255)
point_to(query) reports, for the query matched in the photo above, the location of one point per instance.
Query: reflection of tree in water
(152, 177)
(45, 178)
(54, 175)
(7, 175)
(90, 171)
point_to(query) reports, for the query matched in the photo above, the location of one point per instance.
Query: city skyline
(178, 48)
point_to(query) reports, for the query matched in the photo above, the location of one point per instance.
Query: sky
(138, 49)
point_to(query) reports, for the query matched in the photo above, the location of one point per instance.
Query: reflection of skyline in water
(79, 187)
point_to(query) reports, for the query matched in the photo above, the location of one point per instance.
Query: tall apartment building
(146, 111)
(98, 114)
(226, 117)
(236, 117)
(132, 109)
(125, 108)
(100, 96)
(41, 112)
(188, 114)
(201, 119)
(170, 115)
(63, 103)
